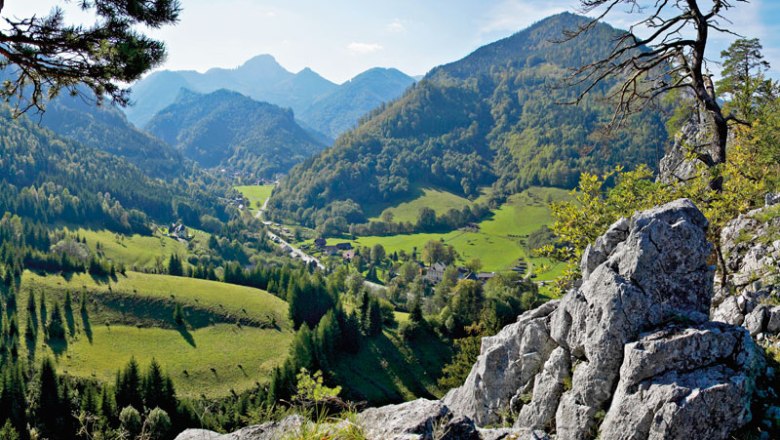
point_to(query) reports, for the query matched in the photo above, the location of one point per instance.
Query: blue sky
(341, 38)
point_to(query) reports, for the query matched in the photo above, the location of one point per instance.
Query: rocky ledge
(751, 248)
(629, 354)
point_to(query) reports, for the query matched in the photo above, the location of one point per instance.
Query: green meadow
(143, 251)
(232, 339)
(499, 242)
(257, 194)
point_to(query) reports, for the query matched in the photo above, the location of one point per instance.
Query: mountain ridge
(227, 129)
(491, 119)
(262, 78)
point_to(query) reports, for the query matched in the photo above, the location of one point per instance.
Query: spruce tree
(49, 406)
(374, 318)
(128, 386)
(56, 326)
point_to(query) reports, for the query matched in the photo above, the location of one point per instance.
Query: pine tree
(302, 351)
(178, 315)
(128, 386)
(416, 314)
(56, 326)
(50, 407)
(176, 268)
(13, 403)
(374, 318)
(327, 337)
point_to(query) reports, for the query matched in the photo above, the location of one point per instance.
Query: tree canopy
(42, 55)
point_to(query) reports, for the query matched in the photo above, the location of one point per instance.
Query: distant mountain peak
(261, 61)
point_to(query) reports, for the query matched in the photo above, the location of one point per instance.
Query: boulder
(633, 336)
(418, 419)
(696, 135)
(507, 363)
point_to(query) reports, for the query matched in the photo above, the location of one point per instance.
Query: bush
(157, 424)
(130, 419)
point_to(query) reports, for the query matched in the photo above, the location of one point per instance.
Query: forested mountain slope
(48, 179)
(106, 128)
(493, 118)
(227, 129)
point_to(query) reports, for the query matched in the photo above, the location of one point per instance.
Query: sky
(342, 38)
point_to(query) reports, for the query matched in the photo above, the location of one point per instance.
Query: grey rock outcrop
(628, 351)
(418, 419)
(696, 135)
(265, 431)
(751, 248)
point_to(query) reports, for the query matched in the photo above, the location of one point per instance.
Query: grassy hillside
(257, 194)
(388, 369)
(499, 241)
(234, 335)
(141, 251)
(440, 201)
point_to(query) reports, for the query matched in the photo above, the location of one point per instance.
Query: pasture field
(233, 336)
(143, 251)
(257, 194)
(439, 201)
(499, 242)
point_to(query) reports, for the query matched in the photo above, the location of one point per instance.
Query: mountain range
(228, 129)
(492, 119)
(320, 104)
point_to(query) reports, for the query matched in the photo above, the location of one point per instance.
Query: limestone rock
(507, 362)
(633, 335)
(684, 383)
(696, 135)
(265, 431)
(418, 419)
(751, 248)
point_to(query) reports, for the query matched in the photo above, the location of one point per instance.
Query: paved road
(298, 253)
(294, 252)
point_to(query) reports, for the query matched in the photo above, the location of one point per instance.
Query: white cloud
(363, 48)
(396, 27)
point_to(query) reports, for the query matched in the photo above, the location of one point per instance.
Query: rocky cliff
(751, 247)
(629, 354)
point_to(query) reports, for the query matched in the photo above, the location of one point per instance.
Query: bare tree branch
(670, 57)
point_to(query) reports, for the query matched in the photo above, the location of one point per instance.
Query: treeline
(40, 403)
(428, 220)
(28, 245)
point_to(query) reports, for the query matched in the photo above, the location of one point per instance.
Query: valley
(187, 250)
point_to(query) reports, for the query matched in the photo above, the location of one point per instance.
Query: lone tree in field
(41, 56)
(671, 57)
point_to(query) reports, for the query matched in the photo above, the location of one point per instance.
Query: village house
(435, 273)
